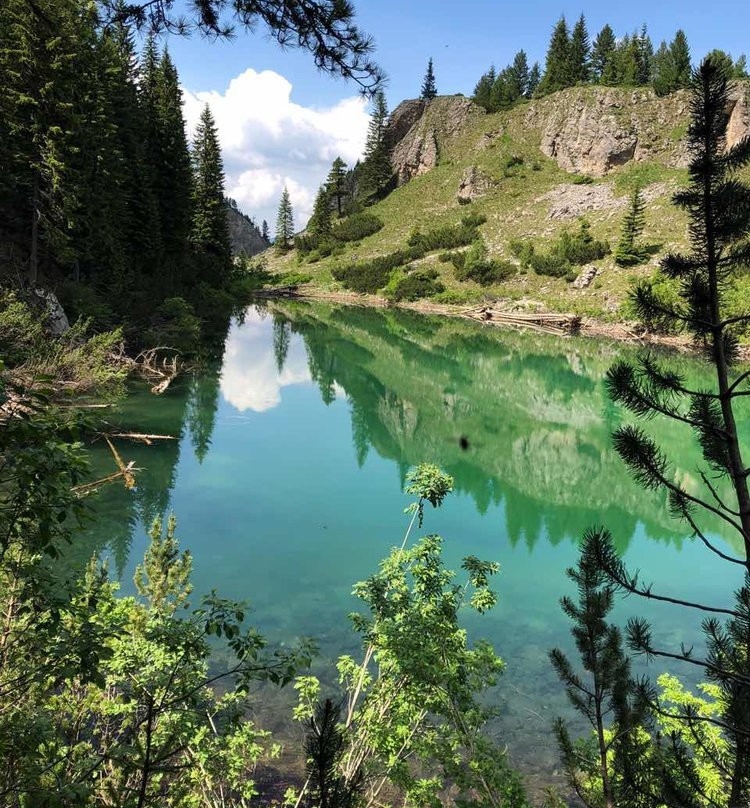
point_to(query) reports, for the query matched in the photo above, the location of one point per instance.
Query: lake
(293, 447)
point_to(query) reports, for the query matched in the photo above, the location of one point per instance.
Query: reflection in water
(255, 370)
(292, 502)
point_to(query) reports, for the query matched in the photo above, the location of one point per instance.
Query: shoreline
(587, 326)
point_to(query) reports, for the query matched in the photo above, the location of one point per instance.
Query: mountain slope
(533, 171)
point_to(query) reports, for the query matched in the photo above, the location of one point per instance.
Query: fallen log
(291, 291)
(147, 439)
(551, 322)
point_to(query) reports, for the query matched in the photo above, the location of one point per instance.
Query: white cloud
(269, 141)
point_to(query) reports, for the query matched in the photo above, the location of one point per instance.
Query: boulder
(585, 277)
(57, 320)
(473, 185)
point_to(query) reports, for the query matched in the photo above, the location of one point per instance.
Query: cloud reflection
(250, 379)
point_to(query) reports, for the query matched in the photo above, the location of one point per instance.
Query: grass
(514, 209)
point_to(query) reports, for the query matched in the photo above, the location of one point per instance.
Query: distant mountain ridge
(245, 236)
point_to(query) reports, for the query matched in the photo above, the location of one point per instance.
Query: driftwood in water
(147, 439)
(551, 322)
(159, 365)
(125, 472)
(290, 291)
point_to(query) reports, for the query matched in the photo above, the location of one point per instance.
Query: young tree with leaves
(284, 222)
(429, 88)
(718, 205)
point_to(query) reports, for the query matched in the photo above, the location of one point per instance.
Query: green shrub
(353, 228)
(523, 250)
(458, 297)
(448, 236)
(416, 285)
(477, 266)
(569, 249)
(174, 325)
(22, 334)
(83, 301)
(582, 179)
(552, 264)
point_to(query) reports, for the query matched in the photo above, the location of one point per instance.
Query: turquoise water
(293, 444)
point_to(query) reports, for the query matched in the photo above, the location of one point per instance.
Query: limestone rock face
(585, 277)
(473, 185)
(739, 115)
(416, 128)
(591, 130)
(244, 235)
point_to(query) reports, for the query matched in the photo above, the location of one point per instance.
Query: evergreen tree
(580, 52)
(680, 52)
(717, 203)
(336, 184)
(645, 57)
(557, 70)
(210, 228)
(264, 231)
(376, 170)
(429, 90)
(519, 74)
(482, 95)
(535, 76)
(320, 223)
(284, 222)
(672, 69)
(601, 696)
(628, 253)
(602, 54)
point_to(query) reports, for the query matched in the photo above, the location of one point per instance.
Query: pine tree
(321, 222)
(671, 66)
(209, 234)
(520, 75)
(628, 253)
(717, 204)
(264, 231)
(602, 694)
(284, 222)
(602, 54)
(579, 53)
(680, 53)
(645, 57)
(557, 72)
(376, 170)
(535, 76)
(429, 90)
(336, 184)
(482, 95)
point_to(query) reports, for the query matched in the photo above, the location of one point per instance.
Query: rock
(585, 277)
(57, 320)
(473, 185)
(488, 138)
(417, 129)
(244, 235)
(568, 201)
(591, 130)
(739, 113)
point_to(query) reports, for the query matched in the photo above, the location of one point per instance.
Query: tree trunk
(34, 249)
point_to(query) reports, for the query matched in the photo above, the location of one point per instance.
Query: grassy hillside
(532, 198)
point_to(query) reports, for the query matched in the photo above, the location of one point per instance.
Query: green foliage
(376, 171)
(321, 221)
(354, 227)
(22, 334)
(568, 250)
(174, 325)
(475, 265)
(429, 89)
(415, 285)
(284, 222)
(628, 251)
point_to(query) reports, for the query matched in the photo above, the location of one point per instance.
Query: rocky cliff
(244, 234)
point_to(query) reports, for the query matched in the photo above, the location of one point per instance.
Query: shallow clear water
(286, 481)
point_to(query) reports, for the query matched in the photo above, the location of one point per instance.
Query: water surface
(293, 447)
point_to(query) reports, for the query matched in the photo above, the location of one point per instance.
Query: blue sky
(463, 38)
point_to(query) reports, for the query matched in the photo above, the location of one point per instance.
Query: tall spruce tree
(376, 169)
(602, 54)
(284, 222)
(429, 89)
(717, 203)
(535, 76)
(209, 233)
(336, 184)
(628, 252)
(645, 57)
(482, 95)
(519, 74)
(321, 221)
(557, 70)
(264, 231)
(580, 52)
(671, 65)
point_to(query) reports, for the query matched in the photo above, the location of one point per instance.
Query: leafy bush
(83, 301)
(582, 179)
(448, 236)
(353, 228)
(416, 285)
(174, 325)
(475, 265)
(21, 330)
(458, 297)
(570, 249)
